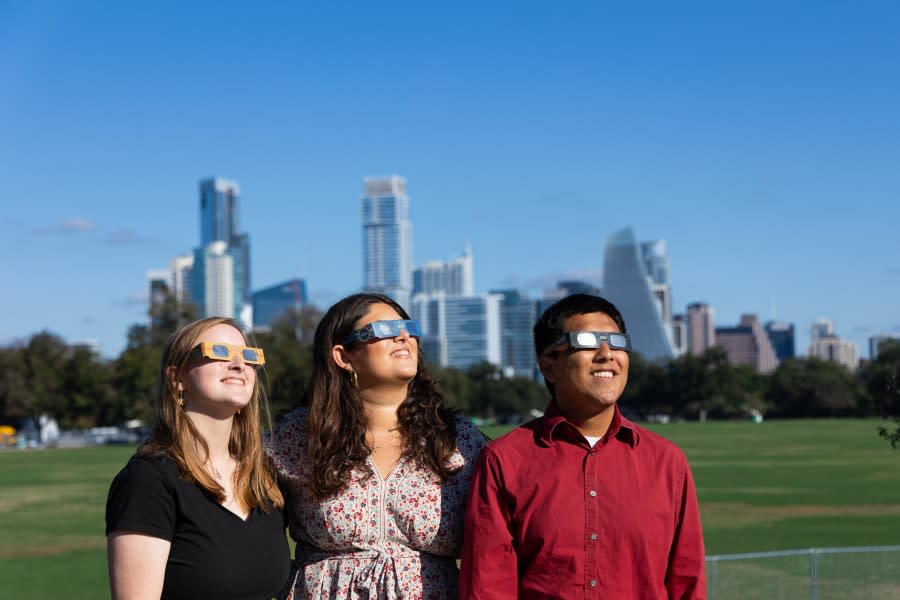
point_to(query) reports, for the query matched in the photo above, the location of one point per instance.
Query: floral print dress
(393, 538)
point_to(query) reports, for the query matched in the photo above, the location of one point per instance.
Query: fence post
(814, 574)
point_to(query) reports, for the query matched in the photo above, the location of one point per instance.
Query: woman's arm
(137, 565)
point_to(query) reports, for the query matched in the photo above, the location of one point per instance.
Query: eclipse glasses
(220, 351)
(580, 340)
(379, 330)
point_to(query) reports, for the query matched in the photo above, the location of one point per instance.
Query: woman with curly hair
(374, 468)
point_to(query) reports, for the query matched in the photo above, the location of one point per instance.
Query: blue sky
(760, 140)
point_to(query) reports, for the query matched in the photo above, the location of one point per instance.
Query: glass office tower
(639, 294)
(387, 238)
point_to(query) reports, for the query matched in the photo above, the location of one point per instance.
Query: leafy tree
(646, 392)
(134, 377)
(44, 359)
(288, 347)
(13, 385)
(167, 315)
(809, 387)
(494, 395)
(454, 385)
(703, 386)
(881, 380)
(87, 393)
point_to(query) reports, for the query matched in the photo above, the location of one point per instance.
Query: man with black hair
(582, 503)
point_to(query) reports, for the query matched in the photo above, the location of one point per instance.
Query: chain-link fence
(866, 573)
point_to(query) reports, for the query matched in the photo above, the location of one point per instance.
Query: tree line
(45, 375)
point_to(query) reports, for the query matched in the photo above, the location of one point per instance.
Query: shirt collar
(621, 428)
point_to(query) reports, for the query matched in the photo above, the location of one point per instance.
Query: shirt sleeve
(686, 575)
(141, 498)
(489, 568)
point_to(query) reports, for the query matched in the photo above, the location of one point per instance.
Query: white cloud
(76, 224)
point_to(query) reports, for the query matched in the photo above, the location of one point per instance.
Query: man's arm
(686, 576)
(489, 569)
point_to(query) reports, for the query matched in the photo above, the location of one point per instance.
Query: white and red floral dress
(394, 538)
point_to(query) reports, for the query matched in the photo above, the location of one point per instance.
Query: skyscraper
(820, 329)
(273, 302)
(836, 350)
(218, 210)
(219, 223)
(747, 344)
(453, 278)
(182, 268)
(518, 315)
(387, 238)
(213, 279)
(701, 328)
(634, 280)
(459, 331)
(782, 337)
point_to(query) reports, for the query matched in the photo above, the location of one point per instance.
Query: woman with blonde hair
(197, 512)
(375, 468)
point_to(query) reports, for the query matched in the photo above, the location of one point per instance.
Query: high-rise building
(701, 328)
(821, 328)
(218, 210)
(518, 315)
(639, 294)
(459, 331)
(219, 223)
(387, 238)
(747, 344)
(656, 264)
(214, 281)
(453, 278)
(182, 277)
(160, 284)
(551, 296)
(679, 334)
(836, 350)
(273, 302)
(782, 337)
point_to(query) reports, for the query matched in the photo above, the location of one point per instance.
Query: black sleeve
(142, 498)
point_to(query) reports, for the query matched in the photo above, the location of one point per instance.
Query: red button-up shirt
(551, 517)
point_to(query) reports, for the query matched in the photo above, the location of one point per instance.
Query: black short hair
(550, 327)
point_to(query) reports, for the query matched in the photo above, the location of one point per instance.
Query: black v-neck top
(214, 553)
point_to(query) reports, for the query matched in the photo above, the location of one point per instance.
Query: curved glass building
(636, 280)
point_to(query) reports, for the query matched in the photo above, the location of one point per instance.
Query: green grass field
(773, 486)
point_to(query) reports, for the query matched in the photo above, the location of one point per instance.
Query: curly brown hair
(337, 421)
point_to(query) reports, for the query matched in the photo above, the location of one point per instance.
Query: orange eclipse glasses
(227, 352)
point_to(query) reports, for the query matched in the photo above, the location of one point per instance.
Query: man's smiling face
(587, 381)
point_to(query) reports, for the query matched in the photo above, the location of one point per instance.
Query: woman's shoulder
(144, 465)
(469, 441)
(143, 479)
(286, 443)
(467, 430)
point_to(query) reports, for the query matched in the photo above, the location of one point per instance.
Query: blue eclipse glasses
(580, 340)
(379, 330)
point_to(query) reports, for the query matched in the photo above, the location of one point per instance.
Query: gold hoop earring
(180, 398)
(353, 378)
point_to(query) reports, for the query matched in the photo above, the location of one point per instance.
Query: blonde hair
(176, 436)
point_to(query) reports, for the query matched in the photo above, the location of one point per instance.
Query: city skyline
(760, 149)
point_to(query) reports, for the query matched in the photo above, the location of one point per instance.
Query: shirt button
(593, 583)
(593, 493)
(593, 536)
